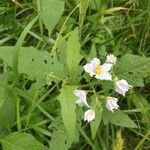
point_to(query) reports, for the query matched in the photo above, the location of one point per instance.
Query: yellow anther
(97, 70)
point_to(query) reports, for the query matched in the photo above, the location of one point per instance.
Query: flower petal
(81, 94)
(88, 68)
(89, 115)
(111, 59)
(104, 76)
(111, 103)
(95, 62)
(106, 66)
(122, 86)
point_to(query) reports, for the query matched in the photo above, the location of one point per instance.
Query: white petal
(111, 59)
(89, 115)
(120, 91)
(80, 102)
(106, 66)
(89, 69)
(111, 103)
(81, 94)
(95, 62)
(104, 76)
(122, 86)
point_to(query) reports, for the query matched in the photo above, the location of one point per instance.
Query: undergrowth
(44, 45)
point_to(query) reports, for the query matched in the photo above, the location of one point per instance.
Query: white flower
(99, 71)
(122, 86)
(89, 115)
(111, 59)
(81, 94)
(111, 103)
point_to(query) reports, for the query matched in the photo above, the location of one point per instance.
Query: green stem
(62, 30)
(18, 115)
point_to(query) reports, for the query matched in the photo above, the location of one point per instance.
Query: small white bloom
(111, 59)
(111, 103)
(81, 94)
(89, 115)
(99, 71)
(122, 86)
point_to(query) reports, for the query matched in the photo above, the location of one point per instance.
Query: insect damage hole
(45, 61)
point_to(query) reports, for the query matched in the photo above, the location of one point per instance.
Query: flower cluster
(102, 72)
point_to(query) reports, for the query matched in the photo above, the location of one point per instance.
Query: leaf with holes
(36, 64)
(68, 105)
(133, 69)
(59, 139)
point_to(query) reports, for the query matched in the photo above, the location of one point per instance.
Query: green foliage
(82, 13)
(73, 56)
(51, 11)
(141, 103)
(33, 63)
(96, 123)
(133, 68)
(44, 45)
(7, 109)
(21, 141)
(60, 138)
(68, 105)
(2, 96)
(119, 118)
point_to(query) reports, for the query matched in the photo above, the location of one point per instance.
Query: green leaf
(7, 110)
(95, 124)
(73, 52)
(2, 95)
(18, 45)
(21, 141)
(118, 118)
(59, 138)
(51, 11)
(93, 52)
(68, 105)
(140, 102)
(133, 69)
(36, 64)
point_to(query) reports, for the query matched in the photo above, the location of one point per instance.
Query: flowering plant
(74, 74)
(102, 72)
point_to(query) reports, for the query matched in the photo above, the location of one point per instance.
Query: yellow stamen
(97, 70)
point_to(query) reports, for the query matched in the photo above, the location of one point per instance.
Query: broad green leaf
(68, 105)
(18, 45)
(118, 118)
(95, 124)
(36, 64)
(60, 138)
(73, 52)
(51, 11)
(133, 69)
(7, 110)
(21, 141)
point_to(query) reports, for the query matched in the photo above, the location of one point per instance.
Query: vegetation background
(29, 110)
